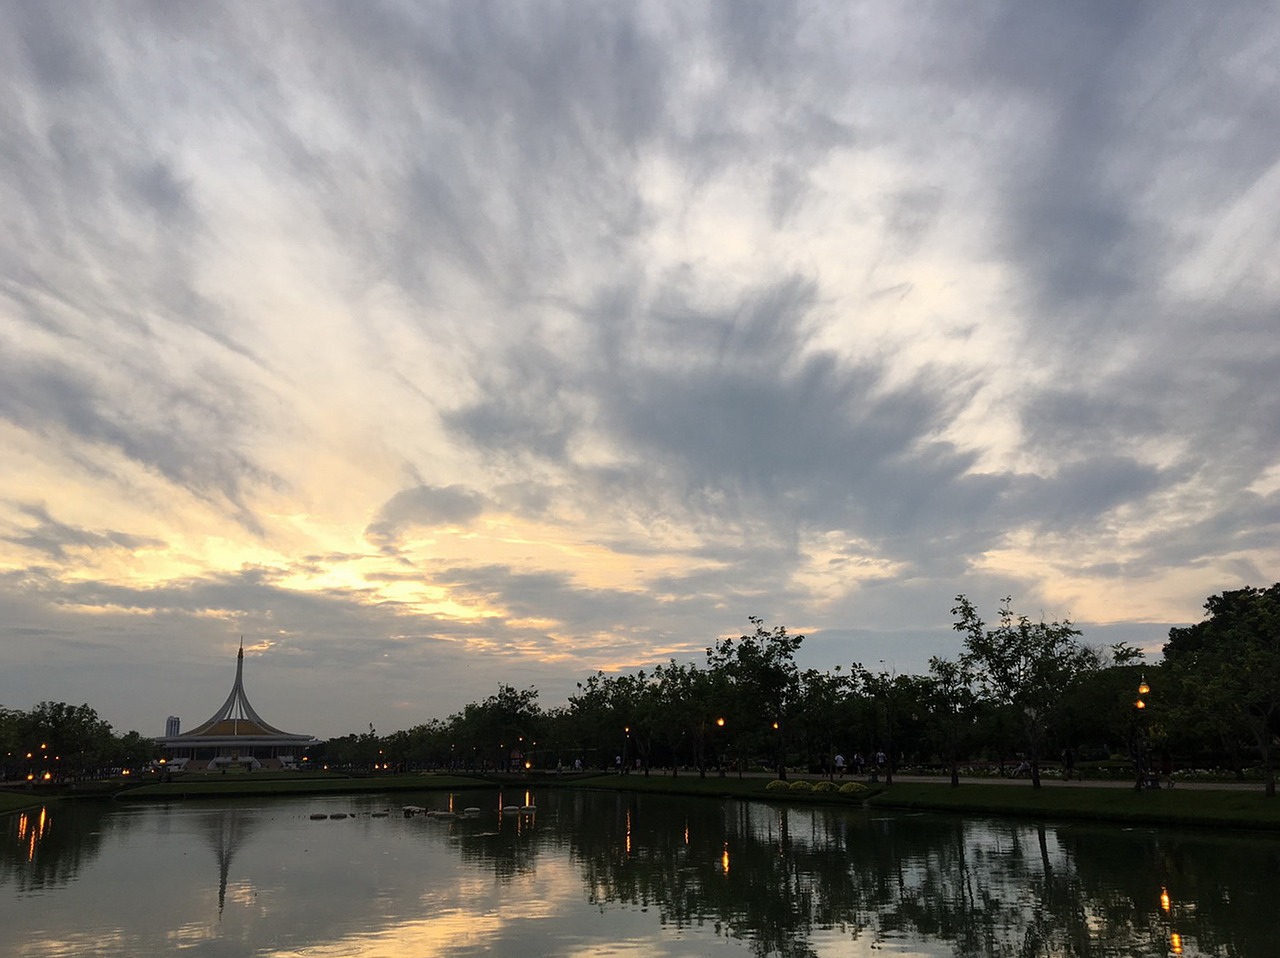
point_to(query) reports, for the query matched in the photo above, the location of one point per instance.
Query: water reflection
(44, 848)
(578, 872)
(792, 881)
(31, 829)
(225, 830)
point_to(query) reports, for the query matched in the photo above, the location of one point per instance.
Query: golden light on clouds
(834, 565)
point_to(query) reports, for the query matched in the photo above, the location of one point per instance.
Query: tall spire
(236, 708)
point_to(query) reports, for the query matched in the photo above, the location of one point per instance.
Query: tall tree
(823, 715)
(73, 736)
(892, 700)
(1023, 665)
(762, 669)
(950, 698)
(1229, 665)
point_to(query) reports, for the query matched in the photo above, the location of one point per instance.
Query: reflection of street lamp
(1166, 906)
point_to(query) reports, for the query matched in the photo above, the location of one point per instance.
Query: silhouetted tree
(1024, 665)
(1229, 665)
(762, 670)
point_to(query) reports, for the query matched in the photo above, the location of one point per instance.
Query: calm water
(605, 874)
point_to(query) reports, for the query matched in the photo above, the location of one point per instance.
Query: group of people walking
(859, 763)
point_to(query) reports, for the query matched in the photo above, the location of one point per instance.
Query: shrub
(777, 785)
(825, 787)
(802, 785)
(853, 789)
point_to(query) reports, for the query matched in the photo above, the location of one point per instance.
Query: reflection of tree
(48, 846)
(782, 877)
(505, 842)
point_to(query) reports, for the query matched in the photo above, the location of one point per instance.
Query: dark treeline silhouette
(55, 742)
(1019, 695)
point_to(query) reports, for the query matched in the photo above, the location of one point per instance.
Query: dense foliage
(56, 742)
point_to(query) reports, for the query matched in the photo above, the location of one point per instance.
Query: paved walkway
(1053, 781)
(1047, 780)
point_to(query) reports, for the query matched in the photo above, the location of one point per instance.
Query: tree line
(1019, 693)
(57, 742)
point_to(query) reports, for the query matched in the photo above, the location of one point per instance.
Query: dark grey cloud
(57, 540)
(424, 507)
(625, 618)
(740, 417)
(58, 54)
(1083, 492)
(185, 433)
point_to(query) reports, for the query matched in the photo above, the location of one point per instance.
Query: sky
(430, 347)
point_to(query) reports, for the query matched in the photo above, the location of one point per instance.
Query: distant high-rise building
(172, 726)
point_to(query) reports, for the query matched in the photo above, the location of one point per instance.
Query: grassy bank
(1197, 807)
(11, 800)
(1209, 808)
(1206, 808)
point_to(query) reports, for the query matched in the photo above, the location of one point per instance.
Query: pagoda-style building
(235, 735)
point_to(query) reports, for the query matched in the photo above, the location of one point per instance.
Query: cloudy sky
(432, 346)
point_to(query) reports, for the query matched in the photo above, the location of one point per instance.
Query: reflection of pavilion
(226, 831)
(235, 735)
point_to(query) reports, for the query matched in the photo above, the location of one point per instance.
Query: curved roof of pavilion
(237, 722)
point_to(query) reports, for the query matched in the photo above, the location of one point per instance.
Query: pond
(599, 873)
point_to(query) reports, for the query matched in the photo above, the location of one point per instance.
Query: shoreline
(1204, 805)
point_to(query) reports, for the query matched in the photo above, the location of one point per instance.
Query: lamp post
(1140, 706)
(720, 747)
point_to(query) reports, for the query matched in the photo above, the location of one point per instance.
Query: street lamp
(719, 740)
(1140, 705)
